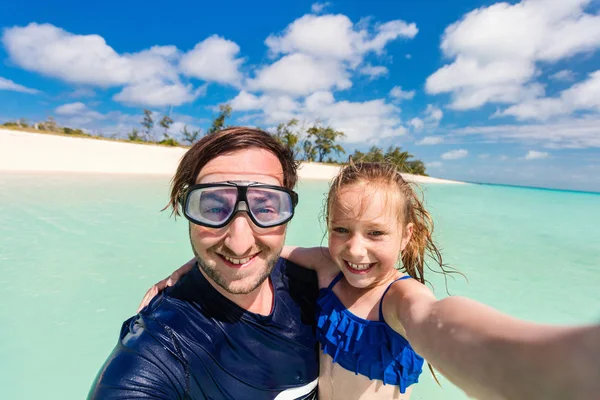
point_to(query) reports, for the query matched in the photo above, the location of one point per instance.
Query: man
(241, 324)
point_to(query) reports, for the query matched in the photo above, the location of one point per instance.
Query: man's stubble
(218, 278)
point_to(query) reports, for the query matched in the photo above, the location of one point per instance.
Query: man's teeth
(237, 260)
(360, 267)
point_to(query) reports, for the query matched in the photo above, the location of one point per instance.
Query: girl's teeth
(237, 260)
(359, 267)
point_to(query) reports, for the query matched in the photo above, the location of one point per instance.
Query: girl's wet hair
(410, 210)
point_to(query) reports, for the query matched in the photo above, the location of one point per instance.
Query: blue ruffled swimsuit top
(369, 348)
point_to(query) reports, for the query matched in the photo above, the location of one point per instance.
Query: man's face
(240, 256)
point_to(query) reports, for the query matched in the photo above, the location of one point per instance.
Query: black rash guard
(193, 343)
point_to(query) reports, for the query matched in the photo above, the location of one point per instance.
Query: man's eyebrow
(262, 196)
(212, 196)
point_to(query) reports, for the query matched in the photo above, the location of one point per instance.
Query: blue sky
(480, 90)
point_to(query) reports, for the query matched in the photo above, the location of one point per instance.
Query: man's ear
(406, 235)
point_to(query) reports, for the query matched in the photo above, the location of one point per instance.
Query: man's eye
(215, 210)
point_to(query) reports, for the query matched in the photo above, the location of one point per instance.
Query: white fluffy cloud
(148, 77)
(417, 123)
(433, 114)
(536, 155)
(321, 52)
(81, 116)
(399, 94)
(7, 84)
(82, 92)
(373, 71)
(55, 52)
(317, 8)
(434, 164)
(156, 93)
(214, 59)
(581, 132)
(455, 154)
(300, 74)
(336, 37)
(496, 49)
(582, 96)
(77, 109)
(360, 121)
(563, 75)
(430, 140)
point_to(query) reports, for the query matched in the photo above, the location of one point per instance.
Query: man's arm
(144, 365)
(491, 355)
(315, 258)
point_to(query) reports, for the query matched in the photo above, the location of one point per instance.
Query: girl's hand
(169, 281)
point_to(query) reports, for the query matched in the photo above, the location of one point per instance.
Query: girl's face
(366, 235)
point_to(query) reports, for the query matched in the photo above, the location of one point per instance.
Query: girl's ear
(406, 235)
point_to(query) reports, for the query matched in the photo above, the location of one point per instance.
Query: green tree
(286, 136)
(310, 151)
(190, 136)
(219, 122)
(135, 136)
(399, 158)
(394, 155)
(148, 123)
(416, 167)
(324, 140)
(166, 122)
(375, 154)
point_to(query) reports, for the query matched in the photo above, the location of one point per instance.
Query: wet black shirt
(193, 343)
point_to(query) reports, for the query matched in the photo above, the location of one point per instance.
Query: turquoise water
(77, 252)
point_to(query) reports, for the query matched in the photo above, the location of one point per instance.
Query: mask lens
(269, 206)
(212, 206)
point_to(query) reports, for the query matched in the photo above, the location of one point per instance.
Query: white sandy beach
(35, 152)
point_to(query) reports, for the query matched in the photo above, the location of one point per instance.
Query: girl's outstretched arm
(491, 355)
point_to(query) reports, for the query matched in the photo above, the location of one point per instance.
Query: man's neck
(259, 301)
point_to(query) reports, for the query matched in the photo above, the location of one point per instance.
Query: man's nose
(240, 236)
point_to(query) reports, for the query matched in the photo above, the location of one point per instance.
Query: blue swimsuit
(369, 348)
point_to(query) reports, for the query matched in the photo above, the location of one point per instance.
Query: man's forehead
(276, 180)
(247, 165)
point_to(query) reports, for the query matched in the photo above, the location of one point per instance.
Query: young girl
(375, 315)
(379, 234)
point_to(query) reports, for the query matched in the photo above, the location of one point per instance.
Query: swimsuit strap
(335, 280)
(384, 293)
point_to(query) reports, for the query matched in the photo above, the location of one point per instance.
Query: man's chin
(241, 284)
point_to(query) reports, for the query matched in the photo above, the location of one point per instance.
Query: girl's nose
(356, 246)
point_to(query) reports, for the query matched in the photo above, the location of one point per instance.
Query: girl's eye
(377, 233)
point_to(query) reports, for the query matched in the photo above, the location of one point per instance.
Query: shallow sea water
(77, 252)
